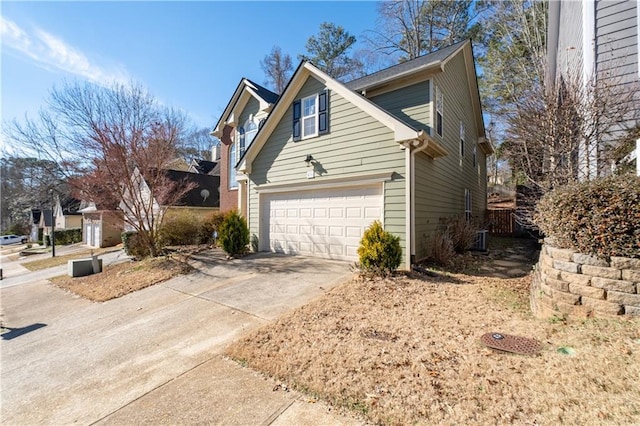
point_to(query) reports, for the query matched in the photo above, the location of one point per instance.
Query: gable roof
(266, 97)
(403, 133)
(203, 166)
(429, 61)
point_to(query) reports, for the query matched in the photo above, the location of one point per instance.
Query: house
(239, 122)
(597, 39)
(405, 145)
(202, 197)
(34, 220)
(101, 227)
(66, 213)
(46, 220)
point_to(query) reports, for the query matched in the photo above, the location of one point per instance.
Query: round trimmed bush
(379, 250)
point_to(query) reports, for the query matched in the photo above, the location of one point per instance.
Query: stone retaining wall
(571, 283)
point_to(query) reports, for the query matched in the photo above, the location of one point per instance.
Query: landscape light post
(53, 225)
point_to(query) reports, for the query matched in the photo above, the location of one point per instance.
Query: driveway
(154, 356)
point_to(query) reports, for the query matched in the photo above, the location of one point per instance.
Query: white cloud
(50, 52)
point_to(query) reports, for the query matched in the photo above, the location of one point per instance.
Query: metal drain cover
(510, 343)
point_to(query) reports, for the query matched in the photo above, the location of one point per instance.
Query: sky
(189, 55)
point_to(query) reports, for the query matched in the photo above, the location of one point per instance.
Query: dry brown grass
(407, 351)
(123, 278)
(50, 262)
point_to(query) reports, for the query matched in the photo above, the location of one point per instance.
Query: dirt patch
(123, 278)
(407, 351)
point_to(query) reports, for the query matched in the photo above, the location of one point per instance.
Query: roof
(206, 192)
(47, 216)
(204, 166)
(428, 61)
(266, 97)
(264, 93)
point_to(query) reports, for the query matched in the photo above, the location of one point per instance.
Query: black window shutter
(296, 120)
(323, 112)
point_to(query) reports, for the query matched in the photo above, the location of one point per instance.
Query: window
(468, 206)
(311, 116)
(239, 147)
(250, 129)
(461, 140)
(475, 157)
(439, 109)
(233, 182)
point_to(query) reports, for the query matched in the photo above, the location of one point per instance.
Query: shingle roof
(265, 93)
(427, 61)
(203, 166)
(206, 192)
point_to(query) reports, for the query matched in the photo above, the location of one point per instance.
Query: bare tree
(561, 132)
(412, 28)
(107, 140)
(278, 68)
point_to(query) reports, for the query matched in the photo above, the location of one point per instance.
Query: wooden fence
(501, 221)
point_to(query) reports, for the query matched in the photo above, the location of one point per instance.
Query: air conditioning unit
(481, 240)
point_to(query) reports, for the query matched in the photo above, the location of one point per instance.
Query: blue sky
(189, 55)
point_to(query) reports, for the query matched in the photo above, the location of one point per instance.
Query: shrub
(600, 217)
(67, 236)
(441, 248)
(132, 245)
(180, 228)
(462, 233)
(379, 250)
(234, 234)
(211, 223)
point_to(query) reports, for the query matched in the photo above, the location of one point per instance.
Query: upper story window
(233, 181)
(310, 116)
(461, 140)
(439, 111)
(250, 129)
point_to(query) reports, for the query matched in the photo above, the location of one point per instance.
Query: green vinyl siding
(410, 104)
(440, 183)
(357, 144)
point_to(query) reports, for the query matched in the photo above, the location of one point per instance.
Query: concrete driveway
(153, 357)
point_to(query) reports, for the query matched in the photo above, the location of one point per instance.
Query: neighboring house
(204, 167)
(45, 222)
(34, 220)
(595, 39)
(102, 227)
(405, 146)
(236, 128)
(202, 199)
(67, 214)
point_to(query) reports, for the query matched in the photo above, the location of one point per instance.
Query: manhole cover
(509, 343)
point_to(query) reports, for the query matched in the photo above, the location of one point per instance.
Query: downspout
(413, 147)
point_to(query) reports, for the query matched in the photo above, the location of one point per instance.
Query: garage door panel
(325, 223)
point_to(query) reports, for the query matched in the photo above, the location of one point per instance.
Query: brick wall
(571, 283)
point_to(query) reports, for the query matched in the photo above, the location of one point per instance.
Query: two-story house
(405, 145)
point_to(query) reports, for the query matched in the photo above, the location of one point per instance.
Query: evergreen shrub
(379, 250)
(599, 217)
(234, 234)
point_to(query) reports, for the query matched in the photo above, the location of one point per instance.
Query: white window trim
(314, 115)
(462, 133)
(439, 110)
(233, 154)
(468, 205)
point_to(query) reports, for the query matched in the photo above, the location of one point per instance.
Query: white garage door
(324, 223)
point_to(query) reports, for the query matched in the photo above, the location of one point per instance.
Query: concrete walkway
(154, 356)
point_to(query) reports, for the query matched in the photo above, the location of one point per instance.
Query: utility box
(82, 267)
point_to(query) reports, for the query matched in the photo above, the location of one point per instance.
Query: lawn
(407, 350)
(123, 278)
(50, 262)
